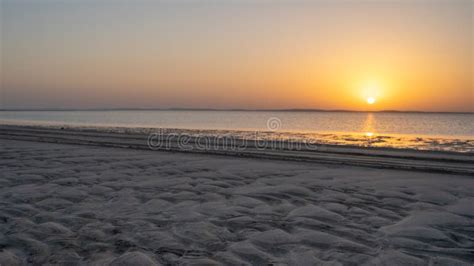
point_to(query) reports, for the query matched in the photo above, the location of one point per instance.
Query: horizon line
(233, 110)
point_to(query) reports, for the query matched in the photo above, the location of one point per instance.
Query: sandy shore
(281, 149)
(79, 204)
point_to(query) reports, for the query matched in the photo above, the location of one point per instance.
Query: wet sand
(80, 204)
(229, 145)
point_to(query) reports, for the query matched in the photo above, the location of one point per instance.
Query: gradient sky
(409, 54)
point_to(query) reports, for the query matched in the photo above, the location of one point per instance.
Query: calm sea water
(426, 124)
(433, 131)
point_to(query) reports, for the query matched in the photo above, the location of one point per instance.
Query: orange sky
(410, 55)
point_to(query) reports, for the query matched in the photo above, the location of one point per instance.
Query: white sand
(77, 204)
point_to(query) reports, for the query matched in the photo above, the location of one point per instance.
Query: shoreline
(143, 127)
(425, 161)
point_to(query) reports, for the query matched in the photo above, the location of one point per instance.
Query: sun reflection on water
(369, 125)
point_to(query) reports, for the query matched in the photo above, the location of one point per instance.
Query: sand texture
(86, 205)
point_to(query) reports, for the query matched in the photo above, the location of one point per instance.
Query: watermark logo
(273, 123)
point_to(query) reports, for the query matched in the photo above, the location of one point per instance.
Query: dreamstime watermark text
(256, 140)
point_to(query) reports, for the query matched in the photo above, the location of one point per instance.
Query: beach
(136, 133)
(97, 199)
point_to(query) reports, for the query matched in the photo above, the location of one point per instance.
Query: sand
(281, 149)
(78, 204)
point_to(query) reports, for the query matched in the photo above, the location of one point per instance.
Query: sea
(450, 132)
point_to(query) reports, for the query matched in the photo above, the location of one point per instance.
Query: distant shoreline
(227, 110)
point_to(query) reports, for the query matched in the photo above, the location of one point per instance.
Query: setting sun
(371, 100)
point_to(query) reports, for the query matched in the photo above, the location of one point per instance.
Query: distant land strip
(228, 110)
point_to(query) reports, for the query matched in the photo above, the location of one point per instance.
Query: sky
(260, 54)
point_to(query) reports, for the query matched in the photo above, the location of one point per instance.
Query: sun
(371, 91)
(371, 100)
